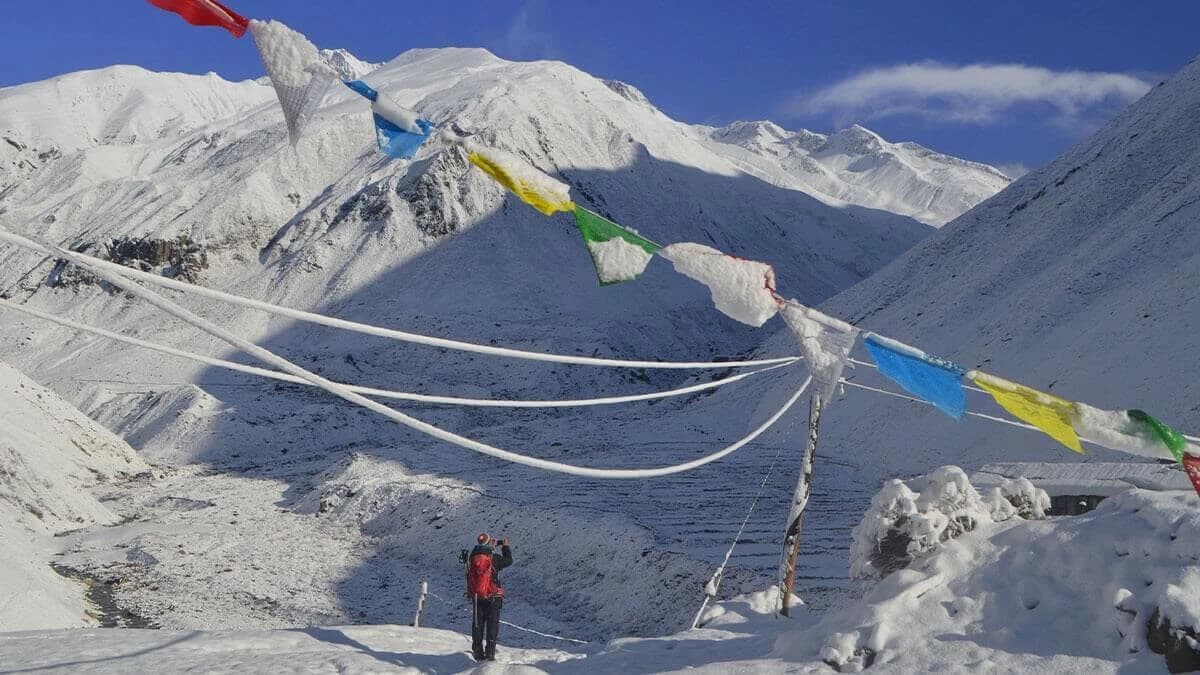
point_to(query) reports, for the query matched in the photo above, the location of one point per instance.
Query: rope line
(91, 263)
(513, 625)
(377, 331)
(719, 574)
(340, 391)
(383, 393)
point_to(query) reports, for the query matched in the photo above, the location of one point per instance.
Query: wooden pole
(421, 604)
(791, 542)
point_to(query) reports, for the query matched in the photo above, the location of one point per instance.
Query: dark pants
(486, 621)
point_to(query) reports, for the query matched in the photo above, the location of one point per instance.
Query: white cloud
(970, 94)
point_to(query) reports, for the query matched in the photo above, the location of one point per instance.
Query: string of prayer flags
(206, 13)
(743, 290)
(1047, 412)
(619, 254)
(399, 131)
(935, 380)
(532, 186)
(825, 342)
(297, 73)
(1131, 431)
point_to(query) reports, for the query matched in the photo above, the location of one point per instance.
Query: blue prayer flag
(933, 379)
(393, 140)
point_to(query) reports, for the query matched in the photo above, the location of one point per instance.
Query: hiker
(486, 594)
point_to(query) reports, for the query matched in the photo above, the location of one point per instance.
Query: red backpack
(481, 577)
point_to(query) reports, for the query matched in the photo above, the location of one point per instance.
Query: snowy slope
(1081, 595)
(50, 455)
(1079, 279)
(430, 245)
(857, 166)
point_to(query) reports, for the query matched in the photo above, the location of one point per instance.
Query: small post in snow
(791, 542)
(421, 604)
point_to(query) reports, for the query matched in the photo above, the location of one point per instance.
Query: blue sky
(1003, 82)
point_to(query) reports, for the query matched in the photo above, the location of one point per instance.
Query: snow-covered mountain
(347, 65)
(208, 189)
(857, 166)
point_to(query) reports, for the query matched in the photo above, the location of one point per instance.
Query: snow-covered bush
(902, 524)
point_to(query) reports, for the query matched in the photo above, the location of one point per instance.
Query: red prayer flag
(206, 13)
(1192, 466)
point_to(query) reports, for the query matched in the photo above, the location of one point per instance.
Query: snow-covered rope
(520, 628)
(714, 582)
(378, 331)
(413, 423)
(384, 393)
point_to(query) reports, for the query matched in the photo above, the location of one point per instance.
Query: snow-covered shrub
(843, 653)
(1031, 503)
(902, 524)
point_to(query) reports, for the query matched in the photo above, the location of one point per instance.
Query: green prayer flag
(1173, 440)
(619, 254)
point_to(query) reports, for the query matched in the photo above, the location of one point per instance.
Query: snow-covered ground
(272, 507)
(1069, 595)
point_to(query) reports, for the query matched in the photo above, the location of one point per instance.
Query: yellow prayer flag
(1049, 413)
(533, 187)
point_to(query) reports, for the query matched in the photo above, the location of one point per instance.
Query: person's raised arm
(504, 559)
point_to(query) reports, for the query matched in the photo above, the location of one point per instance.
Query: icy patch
(618, 260)
(741, 289)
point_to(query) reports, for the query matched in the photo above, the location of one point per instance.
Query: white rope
(378, 331)
(719, 574)
(520, 628)
(383, 393)
(413, 423)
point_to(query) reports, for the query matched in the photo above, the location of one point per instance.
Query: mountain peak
(346, 65)
(857, 166)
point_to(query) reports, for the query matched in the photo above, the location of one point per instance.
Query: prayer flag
(399, 132)
(741, 289)
(1191, 465)
(825, 342)
(929, 377)
(618, 253)
(532, 186)
(297, 73)
(1049, 413)
(206, 13)
(1131, 431)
